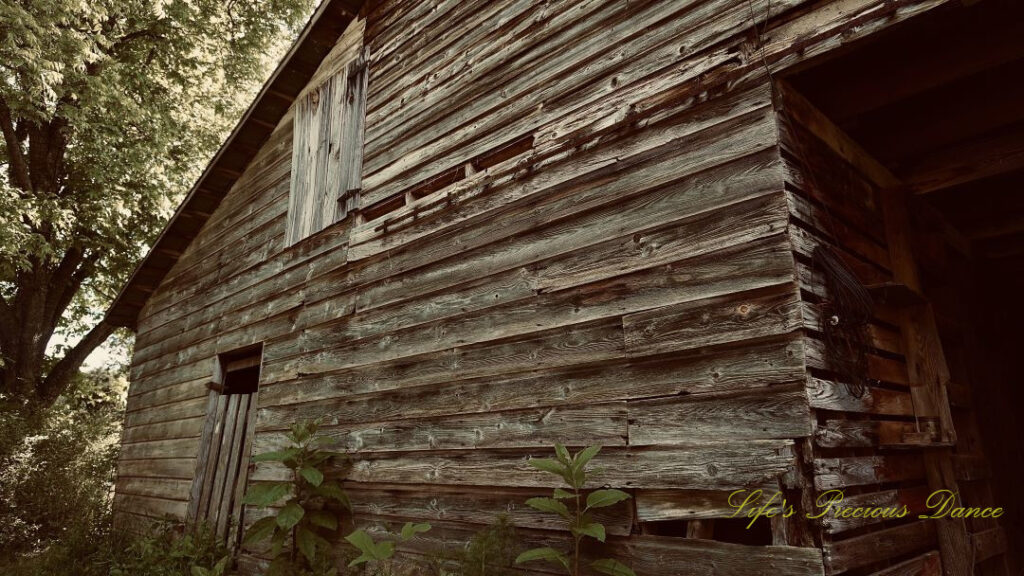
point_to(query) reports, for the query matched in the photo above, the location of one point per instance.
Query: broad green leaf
(561, 494)
(279, 566)
(563, 454)
(362, 541)
(302, 430)
(370, 550)
(220, 568)
(411, 529)
(584, 457)
(312, 475)
(260, 531)
(277, 455)
(612, 567)
(603, 498)
(323, 519)
(265, 494)
(200, 571)
(306, 542)
(549, 465)
(290, 515)
(592, 529)
(331, 489)
(277, 542)
(549, 505)
(549, 554)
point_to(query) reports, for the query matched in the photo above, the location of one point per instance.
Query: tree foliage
(108, 111)
(55, 484)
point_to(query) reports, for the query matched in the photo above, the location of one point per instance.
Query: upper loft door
(222, 463)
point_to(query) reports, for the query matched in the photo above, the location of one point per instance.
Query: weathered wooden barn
(460, 231)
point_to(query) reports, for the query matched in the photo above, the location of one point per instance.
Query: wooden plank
(202, 451)
(688, 557)
(755, 314)
(879, 546)
(213, 456)
(837, 473)
(164, 448)
(580, 344)
(469, 505)
(181, 468)
(241, 484)
(601, 424)
(234, 462)
(152, 507)
(189, 428)
(873, 433)
(929, 564)
(911, 499)
(166, 488)
(828, 395)
(661, 505)
(709, 136)
(764, 413)
(988, 544)
(720, 466)
(222, 474)
(802, 112)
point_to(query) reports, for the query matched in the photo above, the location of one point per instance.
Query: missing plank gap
(503, 152)
(383, 207)
(494, 156)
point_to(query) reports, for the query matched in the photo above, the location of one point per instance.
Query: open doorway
(936, 106)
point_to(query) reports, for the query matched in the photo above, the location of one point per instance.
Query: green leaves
(572, 468)
(307, 542)
(411, 529)
(260, 531)
(604, 498)
(584, 457)
(549, 505)
(290, 515)
(312, 475)
(371, 551)
(134, 97)
(612, 567)
(266, 494)
(332, 490)
(549, 465)
(548, 554)
(308, 513)
(592, 529)
(323, 519)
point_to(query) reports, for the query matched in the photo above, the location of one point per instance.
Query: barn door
(222, 464)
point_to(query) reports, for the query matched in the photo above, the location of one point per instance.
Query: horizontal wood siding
(579, 232)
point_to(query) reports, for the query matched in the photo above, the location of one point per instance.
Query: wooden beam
(993, 154)
(800, 110)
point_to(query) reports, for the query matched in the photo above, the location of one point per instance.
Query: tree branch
(18, 167)
(56, 382)
(74, 267)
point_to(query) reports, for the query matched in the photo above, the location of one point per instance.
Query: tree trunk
(46, 287)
